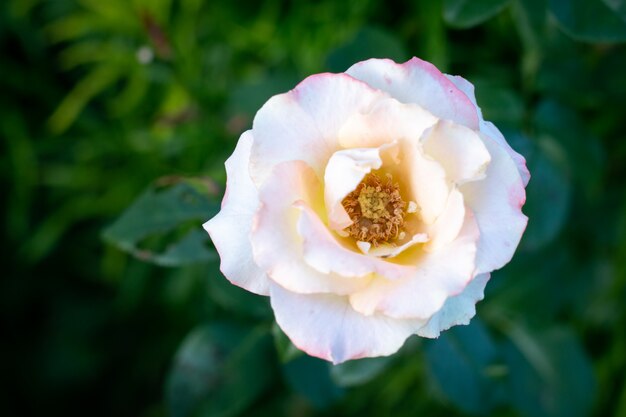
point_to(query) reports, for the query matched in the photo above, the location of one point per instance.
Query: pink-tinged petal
(325, 326)
(420, 82)
(497, 203)
(458, 149)
(449, 223)
(323, 252)
(388, 120)
(457, 310)
(490, 129)
(276, 245)
(303, 124)
(230, 228)
(440, 274)
(345, 170)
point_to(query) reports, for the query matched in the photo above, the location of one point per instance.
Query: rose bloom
(369, 206)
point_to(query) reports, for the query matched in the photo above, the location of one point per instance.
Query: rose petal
(456, 310)
(276, 245)
(420, 82)
(230, 228)
(390, 251)
(458, 149)
(345, 170)
(388, 120)
(497, 202)
(325, 326)
(303, 123)
(323, 252)
(427, 182)
(449, 223)
(440, 274)
(490, 129)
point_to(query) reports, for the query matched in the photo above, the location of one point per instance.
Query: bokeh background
(116, 117)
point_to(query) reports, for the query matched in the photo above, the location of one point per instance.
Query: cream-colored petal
(457, 310)
(458, 150)
(497, 203)
(323, 252)
(303, 124)
(230, 228)
(427, 182)
(490, 129)
(449, 223)
(326, 326)
(440, 275)
(276, 244)
(390, 251)
(386, 121)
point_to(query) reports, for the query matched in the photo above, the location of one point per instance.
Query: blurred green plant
(102, 100)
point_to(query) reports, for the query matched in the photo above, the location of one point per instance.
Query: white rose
(369, 206)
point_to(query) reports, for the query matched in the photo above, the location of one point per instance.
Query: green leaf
(468, 13)
(162, 210)
(499, 104)
(550, 374)
(360, 371)
(530, 17)
(91, 85)
(548, 195)
(248, 97)
(235, 299)
(310, 377)
(192, 248)
(591, 20)
(583, 151)
(219, 370)
(618, 6)
(368, 43)
(534, 14)
(621, 407)
(464, 365)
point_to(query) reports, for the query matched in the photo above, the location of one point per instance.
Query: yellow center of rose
(376, 209)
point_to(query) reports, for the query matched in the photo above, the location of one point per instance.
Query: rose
(370, 206)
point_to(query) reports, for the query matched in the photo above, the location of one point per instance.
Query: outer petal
(325, 326)
(345, 170)
(458, 149)
(490, 129)
(303, 123)
(456, 310)
(497, 204)
(230, 228)
(276, 245)
(440, 274)
(420, 82)
(323, 252)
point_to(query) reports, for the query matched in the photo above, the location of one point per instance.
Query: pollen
(376, 209)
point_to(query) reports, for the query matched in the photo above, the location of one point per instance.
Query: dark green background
(115, 119)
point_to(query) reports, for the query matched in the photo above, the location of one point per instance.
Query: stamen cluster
(376, 209)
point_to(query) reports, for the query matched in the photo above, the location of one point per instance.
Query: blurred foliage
(116, 117)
